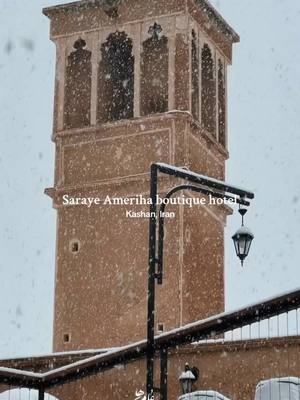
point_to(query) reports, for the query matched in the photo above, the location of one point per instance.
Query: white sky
(264, 142)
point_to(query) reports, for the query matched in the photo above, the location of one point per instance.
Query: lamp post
(193, 182)
(187, 378)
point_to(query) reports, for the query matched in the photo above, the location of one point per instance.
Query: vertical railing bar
(41, 393)
(164, 374)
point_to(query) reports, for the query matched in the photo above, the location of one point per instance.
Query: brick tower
(136, 82)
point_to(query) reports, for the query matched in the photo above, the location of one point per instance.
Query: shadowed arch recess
(208, 94)
(116, 79)
(78, 81)
(154, 72)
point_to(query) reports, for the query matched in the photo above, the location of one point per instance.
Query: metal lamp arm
(161, 226)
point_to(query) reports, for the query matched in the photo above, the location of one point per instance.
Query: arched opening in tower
(221, 104)
(208, 94)
(154, 73)
(116, 79)
(77, 99)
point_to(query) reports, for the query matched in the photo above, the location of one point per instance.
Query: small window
(160, 327)
(74, 246)
(66, 338)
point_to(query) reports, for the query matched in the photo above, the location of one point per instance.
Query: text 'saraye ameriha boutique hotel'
(141, 82)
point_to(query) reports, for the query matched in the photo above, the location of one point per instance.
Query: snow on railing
(275, 317)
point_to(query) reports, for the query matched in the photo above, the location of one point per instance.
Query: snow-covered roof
(23, 394)
(244, 230)
(204, 5)
(203, 395)
(278, 388)
(212, 13)
(187, 375)
(86, 352)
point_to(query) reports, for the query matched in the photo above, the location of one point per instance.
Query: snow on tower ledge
(89, 15)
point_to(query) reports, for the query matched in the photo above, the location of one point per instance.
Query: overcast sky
(264, 144)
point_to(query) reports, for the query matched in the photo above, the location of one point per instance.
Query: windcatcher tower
(136, 82)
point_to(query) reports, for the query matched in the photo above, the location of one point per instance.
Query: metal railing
(257, 319)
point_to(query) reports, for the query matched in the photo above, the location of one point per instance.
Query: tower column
(60, 84)
(137, 69)
(200, 45)
(182, 67)
(217, 93)
(172, 49)
(95, 62)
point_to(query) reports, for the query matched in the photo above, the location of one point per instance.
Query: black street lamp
(193, 182)
(187, 378)
(242, 239)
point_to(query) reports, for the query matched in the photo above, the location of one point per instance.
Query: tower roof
(213, 14)
(205, 6)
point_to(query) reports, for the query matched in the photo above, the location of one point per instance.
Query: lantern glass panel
(236, 245)
(242, 244)
(249, 241)
(186, 385)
